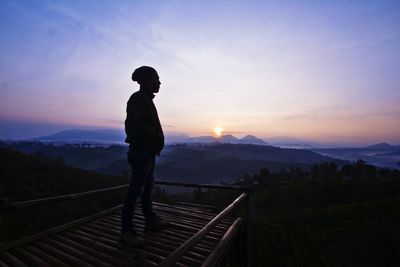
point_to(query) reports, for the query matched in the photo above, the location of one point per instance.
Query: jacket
(142, 125)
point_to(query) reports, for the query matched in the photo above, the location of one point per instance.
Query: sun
(218, 131)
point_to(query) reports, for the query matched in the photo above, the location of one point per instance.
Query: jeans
(141, 184)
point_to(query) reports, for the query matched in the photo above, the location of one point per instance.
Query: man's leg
(140, 165)
(147, 200)
(152, 221)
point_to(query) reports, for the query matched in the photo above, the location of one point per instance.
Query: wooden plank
(156, 254)
(47, 257)
(29, 258)
(202, 207)
(115, 245)
(11, 259)
(161, 241)
(150, 263)
(70, 260)
(186, 226)
(56, 229)
(112, 246)
(180, 236)
(159, 236)
(122, 255)
(74, 252)
(3, 264)
(191, 224)
(162, 251)
(107, 259)
(181, 210)
(192, 230)
(113, 235)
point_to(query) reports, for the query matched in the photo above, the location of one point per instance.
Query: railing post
(247, 237)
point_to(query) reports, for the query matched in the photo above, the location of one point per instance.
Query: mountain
(251, 139)
(200, 139)
(228, 139)
(97, 135)
(212, 139)
(118, 136)
(382, 146)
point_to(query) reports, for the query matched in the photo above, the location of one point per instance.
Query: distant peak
(380, 146)
(228, 136)
(250, 137)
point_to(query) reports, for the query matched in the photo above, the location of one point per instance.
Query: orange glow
(218, 131)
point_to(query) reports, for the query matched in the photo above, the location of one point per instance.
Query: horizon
(50, 129)
(319, 71)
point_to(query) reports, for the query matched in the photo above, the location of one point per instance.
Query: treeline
(327, 216)
(83, 155)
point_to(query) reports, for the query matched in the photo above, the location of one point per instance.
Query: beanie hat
(143, 74)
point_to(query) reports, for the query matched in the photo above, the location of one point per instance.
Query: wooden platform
(93, 241)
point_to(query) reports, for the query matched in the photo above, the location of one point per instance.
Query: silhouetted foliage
(26, 177)
(327, 216)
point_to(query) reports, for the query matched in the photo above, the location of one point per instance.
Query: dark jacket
(142, 125)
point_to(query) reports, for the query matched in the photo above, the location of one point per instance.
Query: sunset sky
(327, 71)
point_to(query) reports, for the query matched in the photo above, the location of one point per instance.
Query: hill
(213, 163)
(26, 177)
(382, 155)
(97, 135)
(381, 146)
(82, 155)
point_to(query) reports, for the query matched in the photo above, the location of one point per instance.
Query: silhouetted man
(146, 140)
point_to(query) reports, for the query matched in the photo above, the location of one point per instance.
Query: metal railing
(180, 251)
(222, 245)
(41, 201)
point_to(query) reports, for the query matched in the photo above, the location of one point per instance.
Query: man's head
(148, 79)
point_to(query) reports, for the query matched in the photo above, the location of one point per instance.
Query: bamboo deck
(93, 241)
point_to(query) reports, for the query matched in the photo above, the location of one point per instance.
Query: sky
(326, 71)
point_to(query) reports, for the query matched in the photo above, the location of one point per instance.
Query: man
(146, 140)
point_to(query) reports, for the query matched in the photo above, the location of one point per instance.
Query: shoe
(131, 239)
(157, 225)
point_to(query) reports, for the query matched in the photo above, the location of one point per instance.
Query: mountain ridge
(114, 135)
